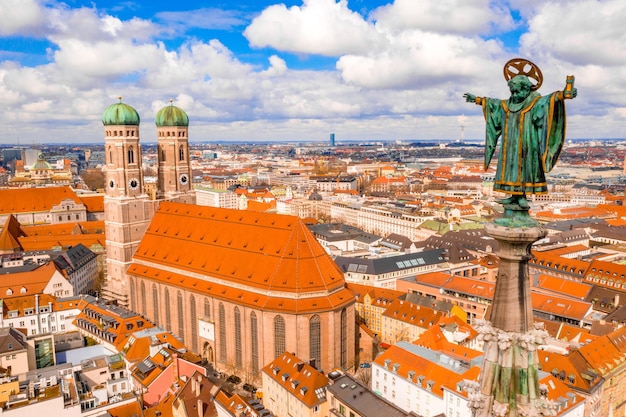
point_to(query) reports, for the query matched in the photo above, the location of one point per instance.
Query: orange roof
(9, 234)
(94, 203)
(20, 200)
(434, 339)
(560, 306)
(413, 314)
(52, 229)
(603, 355)
(576, 370)
(20, 303)
(565, 287)
(136, 346)
(294, 376)
(50, 242)
(127, 410)
(282, 256)
(260, 206)
(574, 213)
(377, 295)
(33, 282)
(406, 362)
(607, 274)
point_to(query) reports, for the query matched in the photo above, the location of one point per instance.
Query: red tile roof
(282, 258)
(20, 200)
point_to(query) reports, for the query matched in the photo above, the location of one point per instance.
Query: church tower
(174, 172)
(126, 213)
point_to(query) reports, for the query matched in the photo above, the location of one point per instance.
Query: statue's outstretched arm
(471, 98)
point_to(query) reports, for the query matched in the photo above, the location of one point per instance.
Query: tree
(93, 178)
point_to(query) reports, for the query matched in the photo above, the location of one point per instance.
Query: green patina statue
(533, 132)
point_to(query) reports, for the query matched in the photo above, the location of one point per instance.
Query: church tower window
(131, 155)
(131, 284)
(181, 153)
(279, 336)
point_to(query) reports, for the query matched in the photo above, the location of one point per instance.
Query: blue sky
(298, 70)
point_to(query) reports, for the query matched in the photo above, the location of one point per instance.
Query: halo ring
(521, 66)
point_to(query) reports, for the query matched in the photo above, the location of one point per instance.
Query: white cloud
(20, 17)
(322, 27)
(278, 66)
(586, 32)
(470, 17)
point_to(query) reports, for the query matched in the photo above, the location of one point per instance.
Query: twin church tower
(128, 206)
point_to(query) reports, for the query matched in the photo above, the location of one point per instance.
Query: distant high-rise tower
(332, 139)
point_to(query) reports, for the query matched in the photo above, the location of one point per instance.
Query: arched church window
(315, 341)
(142, 294)
(131, 155)
(343, 339)
(110, 155)
(238, 353)
(207, 309)
(181, 319)
(194, 323)
(279, 336)
(155, 304)
(168, 314)
(254, 342)
(181, 153)
(222, 341)
(162, 154)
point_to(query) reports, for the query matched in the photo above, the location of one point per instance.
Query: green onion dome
(171, 116)
(120, 114)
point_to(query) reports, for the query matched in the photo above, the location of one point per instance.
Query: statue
(533, 132)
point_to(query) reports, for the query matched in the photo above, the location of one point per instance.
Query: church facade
(128, 207)
(238, 287)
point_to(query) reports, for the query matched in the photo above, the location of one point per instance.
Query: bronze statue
(532, 129)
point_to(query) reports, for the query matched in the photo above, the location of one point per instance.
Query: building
(13, 351)
(385, 271)
(187, 275)
(128, 207)
(348, 397)
(292, 387)
(80, 266)
(37, 206)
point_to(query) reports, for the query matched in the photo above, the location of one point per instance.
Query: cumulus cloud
(469, 17)
(322, 27)
(589, 31)
(20, 17)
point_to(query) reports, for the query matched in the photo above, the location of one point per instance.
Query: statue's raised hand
(470, 98)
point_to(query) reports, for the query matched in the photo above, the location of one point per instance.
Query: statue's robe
(533, 133)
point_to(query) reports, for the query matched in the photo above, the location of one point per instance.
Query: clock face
(184, 179)
(111, 184)
(133, 183)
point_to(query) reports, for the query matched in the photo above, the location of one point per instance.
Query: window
(162, 154)
(110, 155)
(168, 316)
(207, 309)
(279, 336)
(222, 340)
(254, 343)
(343, 339)
(315, 343)
(181, 153)
(131, 155)
(194, 323)
(133, 305)
(142, 294)
(238, 354)
(155, 304)
(181, 316)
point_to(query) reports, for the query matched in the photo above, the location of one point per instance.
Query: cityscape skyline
(300, 70)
